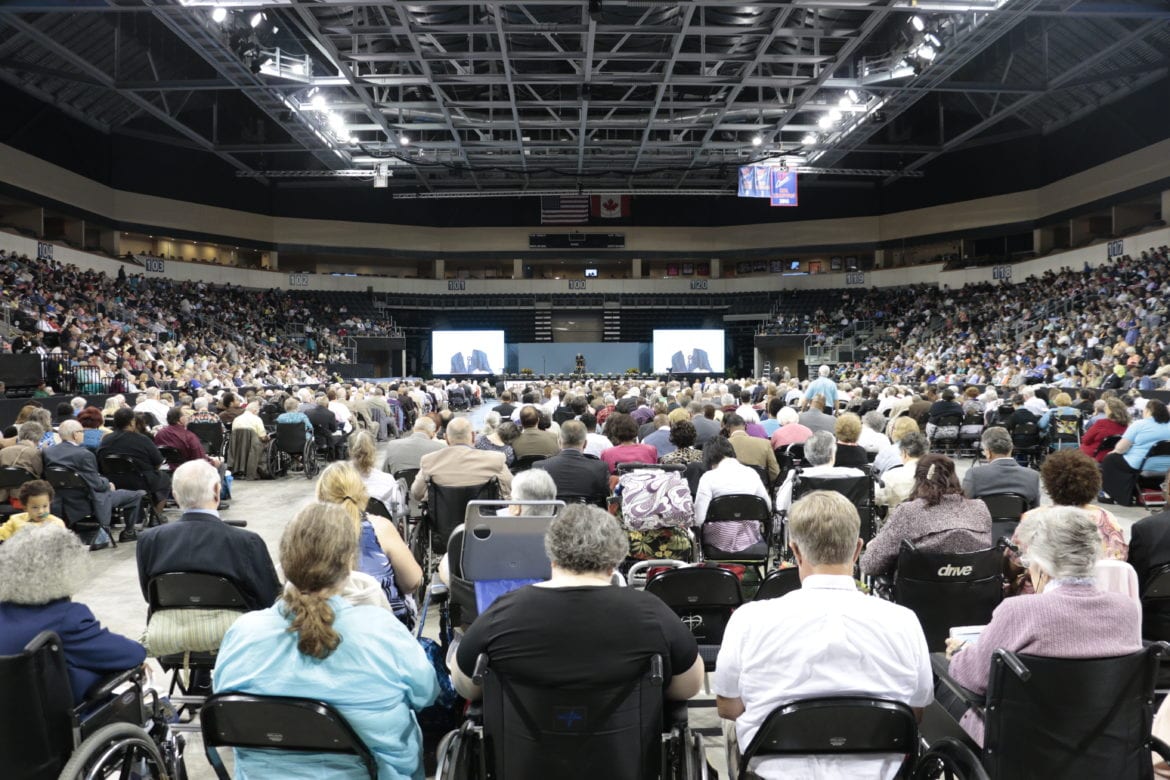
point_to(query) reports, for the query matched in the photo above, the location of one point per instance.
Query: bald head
(459, 431)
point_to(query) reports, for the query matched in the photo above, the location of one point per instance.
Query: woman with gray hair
(1067, 616)
(40, 569)
(577, 629)
(489, 438)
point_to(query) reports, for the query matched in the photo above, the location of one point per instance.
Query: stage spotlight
(757, 140)
(835, 116)
(256, 19)
(918, 22)
(218, 15)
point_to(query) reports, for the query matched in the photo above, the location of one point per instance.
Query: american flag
(564, 210)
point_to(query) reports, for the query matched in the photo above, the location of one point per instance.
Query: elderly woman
(790, 430)
(936, 518)
(1119, 469)
(40, 569)
(314, 644)
(383, 554)
(682, 436)
(623, 432)
(94, 424)
(891, 456)
(849, 452)
(1066, 617)
(897, 483)
(723, 475)
(531, 485)
(1114, 423)
(36, 496)
(490, 438)
(577, 629)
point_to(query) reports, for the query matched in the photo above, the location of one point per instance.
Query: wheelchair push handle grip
(481, 666)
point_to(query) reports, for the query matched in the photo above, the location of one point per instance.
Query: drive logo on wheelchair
(950, 570)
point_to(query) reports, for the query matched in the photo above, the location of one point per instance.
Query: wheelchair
(532, 732)
(443, 510)
(117, 731)
(290, 447)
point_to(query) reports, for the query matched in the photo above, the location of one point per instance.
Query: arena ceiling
(579, 95)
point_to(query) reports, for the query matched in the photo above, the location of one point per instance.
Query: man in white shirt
(595, 443)
(826, 639)
(745, 409)
(820, 450)
(153, 405)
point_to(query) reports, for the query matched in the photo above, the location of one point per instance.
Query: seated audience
(124, 440)
(1114, 423)
(383, 554)
(577, 629)
(897, 482)
(725, 475)
(103, 496)
(891, 456)
(595, 443)
(825, 639)
(1066, 617)
(936, 517)
(576, 476)
(315, 644)
(92, 421)
(292, 414)
(36, 496)
(40, 569)
(816, 418)
(1001, 473)
(24, 453)
(459, 464)
(873, 437)
(404, 454)
(1149, 550)
(940, 410)
(532, 440)
(820, 451)
(623, 432)
(751, 450)
(380, 485)
(1119, 469)
(849, 452)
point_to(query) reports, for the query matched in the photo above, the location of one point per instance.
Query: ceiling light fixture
(825, 122)
(218, 15)
(809, 139)
(404, 139)
(256, 19)
(853, 96)
(318, 102)
(757, 140)
(918, 22)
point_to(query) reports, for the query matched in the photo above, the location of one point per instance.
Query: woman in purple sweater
(1067, 617)
(936, 518)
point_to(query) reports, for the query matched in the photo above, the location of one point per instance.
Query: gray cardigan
(956, 524)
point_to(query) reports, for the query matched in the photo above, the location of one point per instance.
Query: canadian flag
(609, 206)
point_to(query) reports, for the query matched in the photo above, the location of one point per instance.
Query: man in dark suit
(103, 497)
(474, 362)
(576, 475)
(200, 541)
(124, 440)
(703, 418)
(689, 362)
(1001, 474)
(1149, 550)
(326, 428)
(505, 408)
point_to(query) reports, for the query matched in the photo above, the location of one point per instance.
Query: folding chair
(703, 597)
(744, 510)
(779, 582)
(1149, 492)
(11, 479)
(525, 462)
(129, 474)
(211, 435)
(67, 483)
(1006, 510)
(243, 721)
(1027, 443)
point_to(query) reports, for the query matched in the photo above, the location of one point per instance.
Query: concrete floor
(115, 598)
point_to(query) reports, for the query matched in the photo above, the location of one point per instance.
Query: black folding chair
(1064, 431)
(859, 491)
(948, 589)
(211, 435)
(846, 725)
(525, 462)
(1149, 485)
(779, 582)
(742, 508)
(1027, 443)
(129, 474)
(703, 597)
(1108, 444)
(171, 456)
(1059, 717)
(1156, 605)
(11, 479)
(946, 431)
(1006, 509)
(68, 483)
(240, 720)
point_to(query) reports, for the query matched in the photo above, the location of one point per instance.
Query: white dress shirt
(595, 444)
(826, 639)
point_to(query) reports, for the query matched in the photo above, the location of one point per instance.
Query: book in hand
(966, 633)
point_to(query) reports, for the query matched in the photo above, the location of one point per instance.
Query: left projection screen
(467, 352)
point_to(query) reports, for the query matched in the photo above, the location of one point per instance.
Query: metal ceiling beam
(502, 42)
(1081, 67)
(590, 36)
(107, 81)
(664, 83)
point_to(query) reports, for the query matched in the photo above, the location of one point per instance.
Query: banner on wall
(783, 191)
(768, 181)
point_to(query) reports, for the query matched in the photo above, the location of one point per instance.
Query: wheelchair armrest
(675, 713)
(941, 668)
(1161, 748)
(106, 685)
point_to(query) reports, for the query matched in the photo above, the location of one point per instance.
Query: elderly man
(820, 451)
(576, 475)
(406, 453)
(1001, 473)
(822, 385)
(460, 464)
(706, 426)
(152, 405)
(815, 417)
(104, 496)
(24, 454)
(807, 644)
(532, 440)
(750, 450)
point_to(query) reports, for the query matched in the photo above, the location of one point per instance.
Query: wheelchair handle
(656, 674)
(1016, 665)
(481, 666)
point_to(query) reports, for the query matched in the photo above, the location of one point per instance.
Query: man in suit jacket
(103, 496)
(476, 362)
(689, 362)
(1149, 549)
(407, 452)
(460, 464)
(200, 541)
(532, 440)
(706, 426)
(750, 450)
(575, 474)
(1001, 474)
(326, 427)
(124, 440)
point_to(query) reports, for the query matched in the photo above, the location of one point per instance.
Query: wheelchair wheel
(312, 468)
(117, 750)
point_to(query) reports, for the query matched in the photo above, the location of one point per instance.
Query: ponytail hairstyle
(934, 479)
(317, 552)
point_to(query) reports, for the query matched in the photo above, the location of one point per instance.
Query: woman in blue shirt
(315, 645)
(1119, 470)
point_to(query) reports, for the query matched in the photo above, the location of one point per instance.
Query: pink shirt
(629, 453)
(792, 433)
